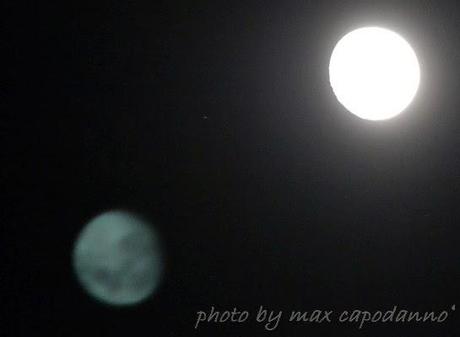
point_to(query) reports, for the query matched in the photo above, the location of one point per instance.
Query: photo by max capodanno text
(270, 319)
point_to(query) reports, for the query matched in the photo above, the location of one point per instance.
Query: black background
(215, 120)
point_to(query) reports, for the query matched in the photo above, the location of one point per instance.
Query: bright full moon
(374, 73)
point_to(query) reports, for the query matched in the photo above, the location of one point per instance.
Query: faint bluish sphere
(117, 258)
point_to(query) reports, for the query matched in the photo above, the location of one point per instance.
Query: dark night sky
(215, 120)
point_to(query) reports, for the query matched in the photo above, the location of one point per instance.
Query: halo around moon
(117, 258)
(374, 73)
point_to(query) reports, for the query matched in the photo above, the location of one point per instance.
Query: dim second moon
(117, 258)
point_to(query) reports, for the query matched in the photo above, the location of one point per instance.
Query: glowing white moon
(117, 258)
(374, 73)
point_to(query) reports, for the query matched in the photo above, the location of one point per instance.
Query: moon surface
(374, 73)
(117, 258)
